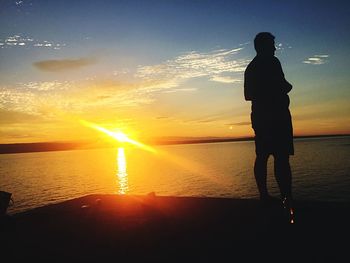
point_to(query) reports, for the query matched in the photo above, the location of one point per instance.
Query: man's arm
(286, 86)
(248, 84)
(247, 91)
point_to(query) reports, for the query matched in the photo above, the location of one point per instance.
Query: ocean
(320, 168)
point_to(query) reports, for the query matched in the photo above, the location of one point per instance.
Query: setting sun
(121, 137)
(118, 136)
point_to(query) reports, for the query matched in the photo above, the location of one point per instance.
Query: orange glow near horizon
(184, 163)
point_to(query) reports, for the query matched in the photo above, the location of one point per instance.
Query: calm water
(321, 171)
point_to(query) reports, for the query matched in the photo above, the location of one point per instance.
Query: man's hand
(287, 87)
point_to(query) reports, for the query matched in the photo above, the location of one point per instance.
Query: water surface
(320, 166)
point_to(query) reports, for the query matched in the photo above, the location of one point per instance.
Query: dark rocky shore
(112, 228)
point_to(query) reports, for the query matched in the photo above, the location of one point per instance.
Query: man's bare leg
(260, 173)
(283, 176)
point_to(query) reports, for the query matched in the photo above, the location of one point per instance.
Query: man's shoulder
(276, 60)
(263, 63)
(253, 61)
(251, 64)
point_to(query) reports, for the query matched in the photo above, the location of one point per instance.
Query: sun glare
(121, 137)
(118, 136)
(122, 176)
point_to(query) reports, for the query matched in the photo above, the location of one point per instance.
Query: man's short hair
(263, 40)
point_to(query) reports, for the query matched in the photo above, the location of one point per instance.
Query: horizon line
(27, 147)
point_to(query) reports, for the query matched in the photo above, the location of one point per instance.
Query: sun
(119, 136)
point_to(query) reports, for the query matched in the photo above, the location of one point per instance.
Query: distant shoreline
(65, 146)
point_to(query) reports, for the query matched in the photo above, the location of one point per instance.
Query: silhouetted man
(266, 87)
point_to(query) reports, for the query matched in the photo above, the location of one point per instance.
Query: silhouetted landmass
(38, 147)
(64, 146)
(51, 146)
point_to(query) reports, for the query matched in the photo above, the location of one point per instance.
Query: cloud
(46, 98)
(214, 65)
(16, 100)
(121, 72)
(54, 85)
(178, 89)
(11, 117)
(243, 123)
(225, 79)
(21, 41)
(212, 117)
(317, 60)
(63, 64)
(282, 46)
(34, 98)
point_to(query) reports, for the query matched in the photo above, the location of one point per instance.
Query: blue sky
(165, 68)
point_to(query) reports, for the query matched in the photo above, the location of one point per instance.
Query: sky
(160, 69)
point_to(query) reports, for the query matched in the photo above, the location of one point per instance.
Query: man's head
(264, 43)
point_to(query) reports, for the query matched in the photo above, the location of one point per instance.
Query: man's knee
(281, 158)
(262, 158)
(282, 162)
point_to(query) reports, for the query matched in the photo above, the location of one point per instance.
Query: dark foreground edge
(114, 228)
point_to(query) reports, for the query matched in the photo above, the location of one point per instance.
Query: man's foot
(289, 209)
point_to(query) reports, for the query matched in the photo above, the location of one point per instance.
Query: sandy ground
(113, 228)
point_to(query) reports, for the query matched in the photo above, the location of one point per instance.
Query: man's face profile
(269, 48)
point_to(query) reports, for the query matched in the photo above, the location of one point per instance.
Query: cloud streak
(243, 123)
(317, 60)
(46, 85)
(20, 41)
(215, 65)
(42, 99)
(63, 64)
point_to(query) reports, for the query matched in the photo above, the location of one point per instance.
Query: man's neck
(265, 56)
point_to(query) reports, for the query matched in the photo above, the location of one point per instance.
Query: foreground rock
(101, 228)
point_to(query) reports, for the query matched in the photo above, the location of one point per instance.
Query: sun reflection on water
(122, 175)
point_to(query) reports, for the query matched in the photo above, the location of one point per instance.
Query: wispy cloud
(121, 72)
(243, 123)
(317, 60)
(54, 85)
(225, 79)
(213, 65)
(178, 89)
(43, 99)
(205, 117)
(12, 117)
(281, 47)
(20, 41)
(18, 100)
(63, 64)
(36, 98)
